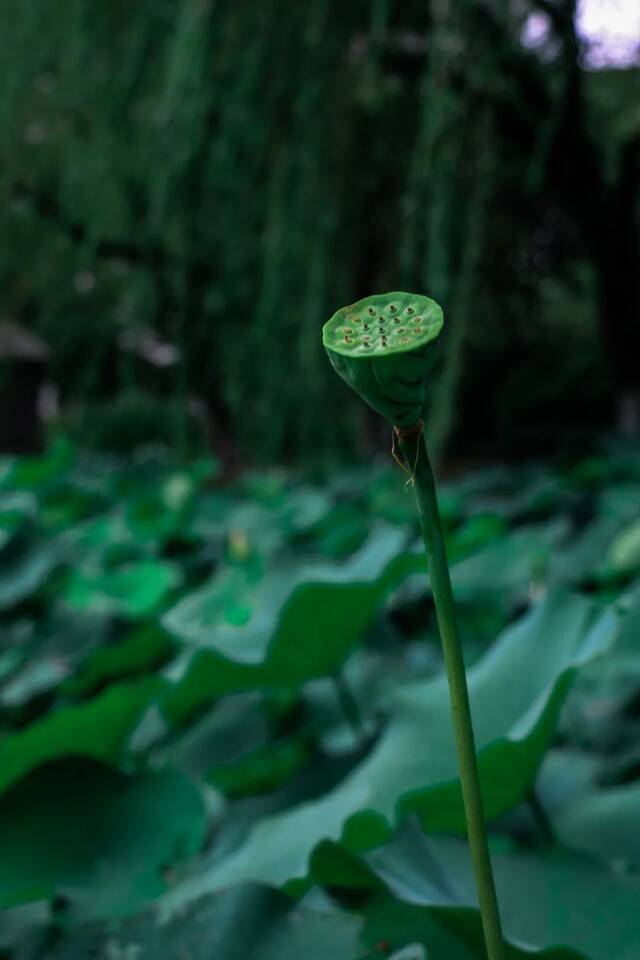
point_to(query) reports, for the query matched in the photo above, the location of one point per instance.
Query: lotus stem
(382, 347)
(414, 448)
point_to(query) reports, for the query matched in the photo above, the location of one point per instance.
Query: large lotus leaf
(262, 524)
(211, 511)
(228, 600)
(598, 702)
(299, 625)
(162, 511)
(289, 600)
(22, 929)
(234, 728)
(303, 509)
(46, 650)
(605, 823)
(516, 690)
(268, 522)
(16, 508)
(619, 501)
(66, 507)
(291, 626)
(264, 769)
(105, 839)
(98, 729)
(516, 494)
(38, 677)
(41, 471)
(548, 900)
(629, 641)
(438, 933)
(232, 747)
(341, 532)
(25, 565)
(502, 571)
(567, 773)
(623, 555)
(97, 535)
(145, 648)
(424, 897)
(133, 591)
(245, 923)
(508, 565)
(581, 557)
(475, 533)
(607, 548)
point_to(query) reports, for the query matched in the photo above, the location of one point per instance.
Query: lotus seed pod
(380, 347)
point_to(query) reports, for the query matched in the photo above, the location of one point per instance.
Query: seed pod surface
(380, 347)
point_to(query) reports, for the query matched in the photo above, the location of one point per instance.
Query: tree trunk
(618, 265)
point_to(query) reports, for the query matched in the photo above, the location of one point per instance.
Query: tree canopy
(191, 189)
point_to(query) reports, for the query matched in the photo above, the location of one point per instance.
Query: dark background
(189, 190)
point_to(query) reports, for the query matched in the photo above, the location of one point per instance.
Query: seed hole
(410, 310)
(392, 308)
(397, 320)
(371, 311)
(366, 326)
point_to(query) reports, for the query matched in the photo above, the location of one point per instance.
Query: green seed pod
(379, 346)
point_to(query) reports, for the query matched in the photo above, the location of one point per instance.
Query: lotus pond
(225, 728)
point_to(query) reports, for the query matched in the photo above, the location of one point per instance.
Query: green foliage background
(224, 721)
(221, 176)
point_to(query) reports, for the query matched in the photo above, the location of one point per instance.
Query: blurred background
(189, 190)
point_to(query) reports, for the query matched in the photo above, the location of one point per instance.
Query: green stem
(416, 456)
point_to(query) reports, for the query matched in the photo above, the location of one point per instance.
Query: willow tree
(190, 184)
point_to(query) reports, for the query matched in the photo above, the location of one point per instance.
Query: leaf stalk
(414, 448)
